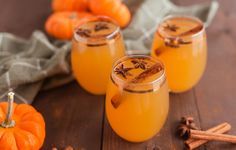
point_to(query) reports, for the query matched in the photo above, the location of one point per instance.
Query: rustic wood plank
(73, 117)
(216, 91)
(81, 124)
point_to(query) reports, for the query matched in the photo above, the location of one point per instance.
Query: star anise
(171, 27)
(100, 26)
(196, 29)
(123, 71)
(139, 63)
(183, 131)
(83, 32)
(186, 123)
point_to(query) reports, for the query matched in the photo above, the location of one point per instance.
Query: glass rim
(158, 81)
(110, 36)
(182, 16)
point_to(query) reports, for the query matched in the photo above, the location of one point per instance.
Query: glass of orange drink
(180, 43)
(96, 45)
(137, 98)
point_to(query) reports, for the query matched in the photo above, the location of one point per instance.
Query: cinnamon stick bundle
(221, 128)
(203, 135)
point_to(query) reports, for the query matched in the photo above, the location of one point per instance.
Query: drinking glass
(180, 43)
(137, 98)
(96, 45)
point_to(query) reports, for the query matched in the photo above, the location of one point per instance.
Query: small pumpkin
(21, 126)
(111, 8)
(61, 24)
(70, 5)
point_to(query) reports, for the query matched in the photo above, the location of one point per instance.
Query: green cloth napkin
(27, 66)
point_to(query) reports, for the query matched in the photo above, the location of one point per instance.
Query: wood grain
(74, 117)
(216, 91)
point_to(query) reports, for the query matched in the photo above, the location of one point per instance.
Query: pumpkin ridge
(17, 135)
(39, 135)
(16, 141)
(21, 107)
(3, 131)
(12, 135)
(31, 134)
(35, 114)
(27, 114)
(2, 115)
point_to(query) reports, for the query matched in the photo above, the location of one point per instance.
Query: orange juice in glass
(137, 99)
(180, 43)
(96, 45)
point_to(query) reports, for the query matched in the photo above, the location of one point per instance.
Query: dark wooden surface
(74, 117)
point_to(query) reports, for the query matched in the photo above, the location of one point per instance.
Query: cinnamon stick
(147, 73)
(204, 135)
(191, 31)
(221, 128)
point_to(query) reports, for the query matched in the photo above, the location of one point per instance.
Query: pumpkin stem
(9, 123)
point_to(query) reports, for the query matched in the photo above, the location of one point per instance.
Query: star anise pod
(100, 26)
(171, 27)
(183, 131)
(139, 63)
(189, 121)
(83, 32)
(186, 120)
(123, 71)
(186, 123)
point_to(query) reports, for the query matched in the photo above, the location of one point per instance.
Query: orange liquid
(186, 62)
(142, 109)
(92, 57)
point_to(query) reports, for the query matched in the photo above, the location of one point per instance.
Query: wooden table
(74, 117)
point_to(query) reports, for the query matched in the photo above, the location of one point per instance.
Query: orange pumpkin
(21, 128)
(61, 24)
(70, 5)
(111, 8)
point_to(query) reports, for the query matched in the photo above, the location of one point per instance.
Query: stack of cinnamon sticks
(196, 137)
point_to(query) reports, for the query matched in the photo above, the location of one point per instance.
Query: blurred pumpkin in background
(61, 24)
(111, 8)
(70, 5)
(69, 13)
